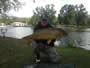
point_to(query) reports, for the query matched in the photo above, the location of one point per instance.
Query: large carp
(46, 34)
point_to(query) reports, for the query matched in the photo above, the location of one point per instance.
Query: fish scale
(46, 34)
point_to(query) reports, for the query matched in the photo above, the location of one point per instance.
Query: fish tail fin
(29, 41)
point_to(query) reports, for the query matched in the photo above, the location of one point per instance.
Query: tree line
(68, 15)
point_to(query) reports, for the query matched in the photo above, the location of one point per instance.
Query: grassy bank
(15, 54)
(73, 28)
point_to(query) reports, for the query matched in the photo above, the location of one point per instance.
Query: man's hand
(49, 41)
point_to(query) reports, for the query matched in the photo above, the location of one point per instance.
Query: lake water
(81, 38)
(16, 32)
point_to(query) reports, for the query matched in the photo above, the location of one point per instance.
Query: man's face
(44, 22)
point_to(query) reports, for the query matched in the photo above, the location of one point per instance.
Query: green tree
(45, 12)
(89, 20)
(33, 20)
(81, 16)
(6, 5)
(67, 15)
(70, 15)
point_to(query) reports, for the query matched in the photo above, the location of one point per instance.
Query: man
(45, 46)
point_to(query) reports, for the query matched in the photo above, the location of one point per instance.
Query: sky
(29, 6)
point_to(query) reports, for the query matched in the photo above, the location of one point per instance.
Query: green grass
(15, 54)
(76, 56)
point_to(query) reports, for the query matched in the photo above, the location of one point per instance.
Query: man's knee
(53, 57)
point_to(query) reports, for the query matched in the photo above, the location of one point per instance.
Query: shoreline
(7, 38)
